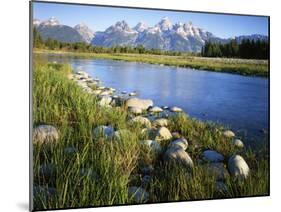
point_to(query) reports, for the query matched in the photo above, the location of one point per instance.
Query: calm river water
(238, 102)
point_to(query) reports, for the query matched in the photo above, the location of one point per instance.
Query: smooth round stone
(163, 133)
(238, 143)
(141, 120)
(45, 134)
(238, 167)
(105, 100)
(103, 131)
(178, 155)
(155, 109)
(160, 122)
(138, 194)
(165, 107)
(181, 142)
(152, 145)
(175, 109)
(132, 94)
(135, 110)
(228, 134)
(212, 156)
(144, 104)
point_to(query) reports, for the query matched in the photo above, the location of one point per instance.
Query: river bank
(122, 151)
(227, 65)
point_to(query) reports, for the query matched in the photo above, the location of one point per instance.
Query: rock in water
(144, 104)
(212, 156)
(175, 109)
(178, 155)
(238, 143)
(160, 122)
(103, 131)
(45, 134)
(238, 167)
(181, 142)
(228, 134)
(153, 145)
(138, 194)
(141, 120)
(155, 109)
(163, 134)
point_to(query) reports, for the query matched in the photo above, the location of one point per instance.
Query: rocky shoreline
(155, 123)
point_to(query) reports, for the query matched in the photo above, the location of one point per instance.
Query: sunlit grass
(101, 170)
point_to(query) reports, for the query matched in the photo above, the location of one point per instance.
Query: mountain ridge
(165, 35)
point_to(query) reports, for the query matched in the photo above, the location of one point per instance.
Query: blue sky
(99, 18)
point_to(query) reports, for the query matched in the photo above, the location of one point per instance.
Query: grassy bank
(237, 66)
(101, 170)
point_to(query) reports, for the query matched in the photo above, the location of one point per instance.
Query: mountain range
(164, 35)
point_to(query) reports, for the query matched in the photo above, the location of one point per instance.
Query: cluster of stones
(155, 124)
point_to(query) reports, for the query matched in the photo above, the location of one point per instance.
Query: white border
(14, 82)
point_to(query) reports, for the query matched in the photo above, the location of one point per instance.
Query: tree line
(247, 49)
(53, 44)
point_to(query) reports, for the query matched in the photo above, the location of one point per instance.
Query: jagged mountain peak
(140, 27)
(165, 24)
(85, 31)
(51, 22)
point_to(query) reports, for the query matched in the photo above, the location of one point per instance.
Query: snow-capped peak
(85, 32)
(165, 24)
(140, 27)
(36, 22)
(51, 22)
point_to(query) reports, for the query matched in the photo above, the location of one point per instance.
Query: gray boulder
(238, 167)
(212, 156)
(152, 145)
(160, 122)
(178, 155)
(103, 131)
(141, 120)
(45, 134)
(155, 109)
(181, 142)
(163, 134)
(175, 109)
(238, 143)
(228, 134)
(105, 100)
(135, 110)
(144, 104)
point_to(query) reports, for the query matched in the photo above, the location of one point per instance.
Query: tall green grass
(101, 170)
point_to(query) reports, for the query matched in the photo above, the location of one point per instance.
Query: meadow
(248, 67)
(79, 171)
